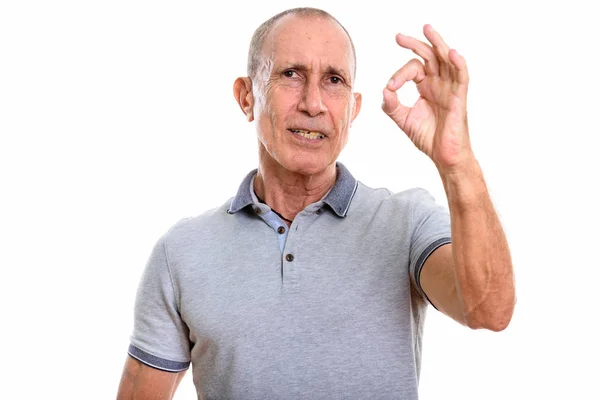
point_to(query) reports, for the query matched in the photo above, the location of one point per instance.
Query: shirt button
(281, 230)
(319, 211)
(289, 257)
(257, 210)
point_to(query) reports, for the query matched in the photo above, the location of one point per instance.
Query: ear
(357, 104)
(242, 91)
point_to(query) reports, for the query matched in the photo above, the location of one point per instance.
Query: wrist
(463, 171)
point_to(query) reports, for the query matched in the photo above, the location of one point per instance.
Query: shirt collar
(338, 198)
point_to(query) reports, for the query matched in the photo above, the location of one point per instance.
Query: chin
(307, 165)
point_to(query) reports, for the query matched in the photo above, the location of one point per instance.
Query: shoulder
(196, 228)
(384, 199)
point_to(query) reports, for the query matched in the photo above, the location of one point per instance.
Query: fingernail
(390, 83)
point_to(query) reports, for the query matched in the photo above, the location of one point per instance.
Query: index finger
(411, 71)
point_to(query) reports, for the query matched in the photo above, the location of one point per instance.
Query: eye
(335, 80)
(289, 73)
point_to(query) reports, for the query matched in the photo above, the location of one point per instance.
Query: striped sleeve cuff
(157, 362)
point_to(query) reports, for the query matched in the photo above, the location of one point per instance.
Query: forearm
(482, 264)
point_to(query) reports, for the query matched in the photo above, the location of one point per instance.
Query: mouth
(310, 135)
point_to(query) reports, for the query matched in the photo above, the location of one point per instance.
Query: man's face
(303, 100)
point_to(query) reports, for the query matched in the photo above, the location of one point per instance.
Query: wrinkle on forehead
(268, 48)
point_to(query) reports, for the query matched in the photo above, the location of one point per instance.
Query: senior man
(307, 283)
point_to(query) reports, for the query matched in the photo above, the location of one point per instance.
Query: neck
(290, 192)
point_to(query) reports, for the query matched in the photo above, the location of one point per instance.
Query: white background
(117, 119)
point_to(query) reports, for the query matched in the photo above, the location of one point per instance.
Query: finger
(393, 108)
(421, 49)
(411, 71)
(390, 101)
(441, 50)
(462, 73)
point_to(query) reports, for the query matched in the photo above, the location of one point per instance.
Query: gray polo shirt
(329, 308)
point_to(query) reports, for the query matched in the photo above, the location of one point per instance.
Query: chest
(321, 310)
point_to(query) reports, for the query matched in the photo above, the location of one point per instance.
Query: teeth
(308, 134)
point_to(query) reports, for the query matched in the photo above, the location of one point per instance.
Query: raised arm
(141, 382)
(471, 280)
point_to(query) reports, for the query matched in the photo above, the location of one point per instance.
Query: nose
(312, 100)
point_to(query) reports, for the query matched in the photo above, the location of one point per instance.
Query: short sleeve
(430, 230)
(160, 337)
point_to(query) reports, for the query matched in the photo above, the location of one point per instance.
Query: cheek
(342, 116)
(270, 118)
(279, 107)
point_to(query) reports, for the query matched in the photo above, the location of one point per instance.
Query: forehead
(310, 40)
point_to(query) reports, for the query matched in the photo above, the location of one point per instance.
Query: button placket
(291, 265)
(294, 268)
(289, 268)
(274, 222)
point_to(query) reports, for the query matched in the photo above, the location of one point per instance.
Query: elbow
(494, 312)
(495, 318)
(494, 323)
(497, 324)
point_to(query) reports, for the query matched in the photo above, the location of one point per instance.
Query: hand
(437, 122)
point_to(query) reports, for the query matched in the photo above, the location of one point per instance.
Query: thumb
(393, 108)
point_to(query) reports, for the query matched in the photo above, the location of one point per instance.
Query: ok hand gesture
(437, 122)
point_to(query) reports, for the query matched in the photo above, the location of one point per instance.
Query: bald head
(256, 55)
